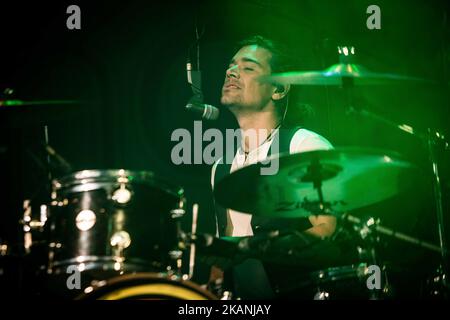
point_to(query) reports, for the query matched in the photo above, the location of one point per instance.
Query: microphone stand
(194, 77)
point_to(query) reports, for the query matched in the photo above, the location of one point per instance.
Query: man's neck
(263, 122)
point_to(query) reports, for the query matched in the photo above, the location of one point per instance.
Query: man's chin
(229, 106)
(226, 102)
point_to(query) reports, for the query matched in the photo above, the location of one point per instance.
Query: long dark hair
(294, 113)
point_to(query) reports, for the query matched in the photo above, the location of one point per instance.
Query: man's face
(241, 88)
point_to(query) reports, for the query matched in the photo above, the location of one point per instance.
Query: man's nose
(233, 72)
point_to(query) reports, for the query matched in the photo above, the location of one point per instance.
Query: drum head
(145, 286)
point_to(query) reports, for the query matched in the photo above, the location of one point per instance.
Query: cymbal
(349, 178)
(12, 103)
(22, 112)
(336, 74)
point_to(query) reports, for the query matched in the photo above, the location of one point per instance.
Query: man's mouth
(231, 86)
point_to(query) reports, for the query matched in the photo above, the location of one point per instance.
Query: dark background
(127, 65)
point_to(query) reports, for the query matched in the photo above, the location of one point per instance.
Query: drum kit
(116, 234)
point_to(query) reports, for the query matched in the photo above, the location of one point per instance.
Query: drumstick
(193, 232)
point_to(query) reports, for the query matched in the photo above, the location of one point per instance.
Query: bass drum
(145, 286)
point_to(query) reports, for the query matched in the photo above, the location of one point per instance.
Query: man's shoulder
(305, 140)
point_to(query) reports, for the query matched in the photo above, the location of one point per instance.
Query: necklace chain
(267, 139)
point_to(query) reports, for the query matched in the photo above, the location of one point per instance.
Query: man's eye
(248, 69)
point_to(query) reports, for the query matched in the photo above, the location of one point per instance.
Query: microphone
(195, 104)
(189, 71)
(206, 111)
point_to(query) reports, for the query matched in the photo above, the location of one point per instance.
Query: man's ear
(280, 91)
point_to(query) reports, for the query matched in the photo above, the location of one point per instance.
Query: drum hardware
(227, 295)
(431, 139)
(434, 141)
(372, 225)
(177, 213)
(145, 286)
(3, 249)
(119, 242)
(122, 195)
(335, 282)
(193, 239)
(177, 254)
(29, 225)
(367, 250)
(192, 245)
(435, 285)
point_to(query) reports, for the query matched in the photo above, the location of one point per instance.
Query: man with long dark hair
(260, 106)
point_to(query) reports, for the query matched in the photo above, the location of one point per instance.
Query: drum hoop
(164, 289)
(164, 285)
(88, 180)
(339, 273)
(93, 261)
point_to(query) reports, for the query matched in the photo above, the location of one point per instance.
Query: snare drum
(344, 282)
(115, 220)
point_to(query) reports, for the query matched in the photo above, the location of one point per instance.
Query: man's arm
(303, 141)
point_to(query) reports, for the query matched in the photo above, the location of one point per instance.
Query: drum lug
(177, 213)
(3, 249)
(175, 254)
(322, 295)
(227, 295)
(119, 242)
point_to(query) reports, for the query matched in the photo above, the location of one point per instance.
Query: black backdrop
(127, 66)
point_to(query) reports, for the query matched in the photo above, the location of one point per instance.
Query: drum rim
(92, 262)
(339, 272)
(97, 178)
(159, 278)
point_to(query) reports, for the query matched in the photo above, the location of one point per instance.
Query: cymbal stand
(364, 229)
(368, 231)
(434, 141)
(192, 244)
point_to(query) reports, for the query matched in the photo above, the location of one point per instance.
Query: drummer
(262, 107)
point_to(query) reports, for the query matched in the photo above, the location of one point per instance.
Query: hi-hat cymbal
(349, 178)
(336, 74)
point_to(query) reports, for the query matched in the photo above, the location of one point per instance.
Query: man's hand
(323, 226)
(215, 281)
